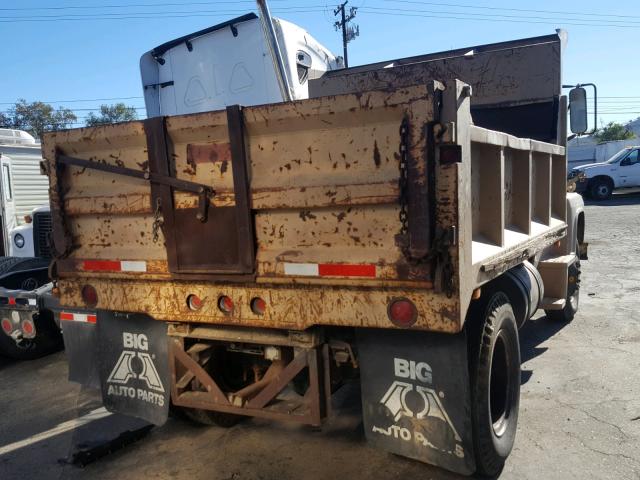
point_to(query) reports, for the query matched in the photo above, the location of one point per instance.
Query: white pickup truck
(599, 180)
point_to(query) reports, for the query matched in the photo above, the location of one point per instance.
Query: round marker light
(28, 328)
(89, 295)
(258, 306)
(194, 302)
(6, 326)
(18, 240)
(402, 312)
(225, 304)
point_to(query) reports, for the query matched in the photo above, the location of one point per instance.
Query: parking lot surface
(579, 409)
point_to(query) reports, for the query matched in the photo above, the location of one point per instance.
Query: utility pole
(348, 33)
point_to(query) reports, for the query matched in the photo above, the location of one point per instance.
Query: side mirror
(578, 110)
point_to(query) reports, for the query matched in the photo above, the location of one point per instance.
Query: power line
(80, 100)
(473, 14)
(425, 14)
(88, 7)
(524, 10)
(234, 2)
(153, 12)
(149, 15)
(315, 8)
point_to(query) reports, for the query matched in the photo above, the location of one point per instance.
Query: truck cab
(248, 60)
(599, 180)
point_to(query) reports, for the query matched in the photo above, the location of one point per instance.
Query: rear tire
(209, 417)
(48, 339)
(494, 351)
(570, 309)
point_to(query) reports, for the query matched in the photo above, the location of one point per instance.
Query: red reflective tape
(91, 318)
(101, 265)
(342, 270)
(66, 316)
(12, 301)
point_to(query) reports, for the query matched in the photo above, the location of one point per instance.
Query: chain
(404, 166)
(157, 221)
(439, 250)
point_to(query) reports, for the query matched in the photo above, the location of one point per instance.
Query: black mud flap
(133, 362)
(416, 396)
(81, 347)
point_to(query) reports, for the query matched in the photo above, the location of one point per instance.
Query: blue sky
(48, 57)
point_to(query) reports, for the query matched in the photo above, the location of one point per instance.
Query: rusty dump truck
(398, 226)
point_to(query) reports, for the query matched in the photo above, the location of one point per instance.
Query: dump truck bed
(304, 205)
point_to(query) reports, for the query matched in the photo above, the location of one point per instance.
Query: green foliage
(37, 117)
(5, 121)
(117, 112)
(613, 131)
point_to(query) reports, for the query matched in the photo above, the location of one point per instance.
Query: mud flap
(80, 345)
(416, 396)
(133, 363)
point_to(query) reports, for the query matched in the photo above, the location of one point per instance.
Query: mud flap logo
(415, 400)
(136, 364)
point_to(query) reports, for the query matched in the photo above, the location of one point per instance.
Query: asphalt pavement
(579, 410)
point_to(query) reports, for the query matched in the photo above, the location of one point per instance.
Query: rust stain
(376, 154)
(306, 214)
(209, 153)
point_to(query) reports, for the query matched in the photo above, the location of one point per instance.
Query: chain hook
(158, 221)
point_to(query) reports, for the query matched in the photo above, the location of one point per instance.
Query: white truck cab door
(7, 209)
(629, 170)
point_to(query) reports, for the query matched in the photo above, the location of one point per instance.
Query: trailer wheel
(573, 296)
(231, 373)
(47, 340)
(208, 417)
(495, 381)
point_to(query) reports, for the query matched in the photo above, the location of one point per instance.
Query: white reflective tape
(130, 266)
(32, 301)
(302, 269)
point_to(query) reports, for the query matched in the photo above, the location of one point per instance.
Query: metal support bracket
(193, 386)
(205, 192)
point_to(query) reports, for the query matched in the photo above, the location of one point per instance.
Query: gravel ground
(579, 413)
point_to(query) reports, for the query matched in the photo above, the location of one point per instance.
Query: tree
(118, 112)
(613, 131)
(38, 117)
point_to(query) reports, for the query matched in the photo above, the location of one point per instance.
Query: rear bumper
(288, 307)
(581, 185)
(18, 306)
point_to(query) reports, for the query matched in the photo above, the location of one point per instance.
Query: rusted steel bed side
(360, 303)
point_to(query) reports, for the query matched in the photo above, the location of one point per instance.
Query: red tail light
(194, 302)
(89, 295)
(402, 312)
(7, 325)
(28, 328)
(225, 304)
(258, 306)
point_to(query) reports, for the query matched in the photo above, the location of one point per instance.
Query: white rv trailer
(23, 188)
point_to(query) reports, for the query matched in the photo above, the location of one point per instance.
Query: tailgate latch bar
(205, 193)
